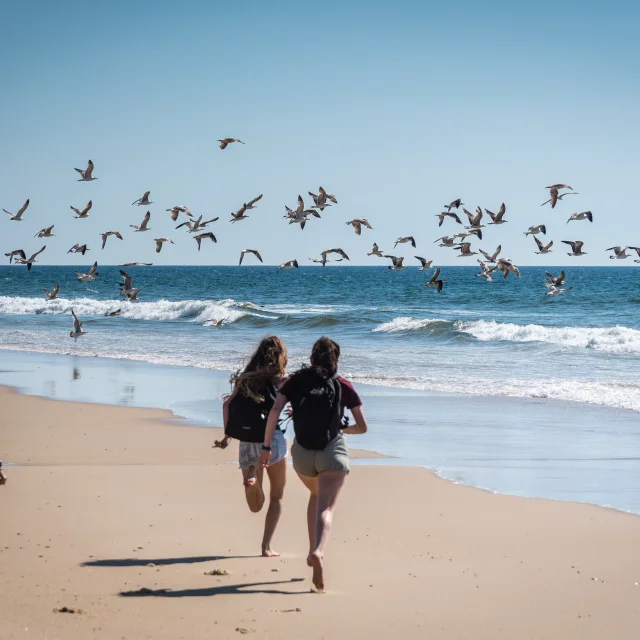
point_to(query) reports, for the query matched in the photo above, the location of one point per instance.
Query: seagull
(542, 248)
(78, 248)
(85, 212)
(240, 214)
(127, 285)
(465, 250)
(143, 224)
(375, 251)
(553, 290)
(29, 261)
(456, 204)
(397, 263)
(160, 242)
(620, 253)
(111, 314)
(491, 258)
(45, 233)
(557, 281)
(291, 264)
(541, 228)
(136, 264)
(583, 215)
(299, 216)
(506, 266)
(323, 260)
(426, 264)
(576, 247)
(199, 238)
(358, 223)
(405, 239)
(144, 201)
(86, 174)
(471, 232)
(320, 200)
(90, 276)
(555, 196)
(446, 241)
(435, 281)
(18, 216)
(132, 295)
(77, 327)
(15, 252)
(474, 219)
(177, 210)
(497, 218)
(254, 251)
(326, 252)
(448, 214)
(226, 141)
(106, 234)
(486, 272)
(52, 295)
(196, 225)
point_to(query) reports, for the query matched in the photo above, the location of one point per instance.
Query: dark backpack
(247, 419)
(316, 411)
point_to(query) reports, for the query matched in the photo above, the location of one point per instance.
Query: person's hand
(221, 444)
(288, 411)
(265, 456)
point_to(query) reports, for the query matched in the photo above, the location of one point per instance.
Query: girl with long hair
(244, 414)
(318, 398)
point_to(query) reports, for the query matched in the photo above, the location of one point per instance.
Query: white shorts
(249, 452)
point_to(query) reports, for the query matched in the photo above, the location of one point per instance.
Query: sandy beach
(118, 514)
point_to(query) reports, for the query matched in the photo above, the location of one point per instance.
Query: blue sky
(396, 108)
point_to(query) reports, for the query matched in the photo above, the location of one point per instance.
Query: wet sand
(119, 513)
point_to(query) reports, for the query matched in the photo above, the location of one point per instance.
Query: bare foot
(267, 552)
(315, 560)
(254, 494)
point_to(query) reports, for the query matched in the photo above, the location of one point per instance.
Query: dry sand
(120, 514)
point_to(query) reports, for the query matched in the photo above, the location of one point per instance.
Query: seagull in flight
(542, 249)
(197, 225)
(405, 239)
(240, 213)
(90, 276)
(17, 217)
(291, 264)
(358, 223)
(576, 247)
(78, 248)
(446, 241)
(245, 251)
(29, 261)
(553, 290)
(15, 252)
(491, 259)
(375, 251)
(435, 281)
(540, 228)
(498, 218)
(326, 252)
(555, 195)
(202, 236)
(227, 141)
(52, 295)
(425, 264)
(106, 234)
(45, 233)
(160, 242)
(77, 327)
(465, 250)
(620, 253)
(144, 201)
(299, 216)
(177, 210)
(86, 174)
(556, 280)
(506, 266)
(583, 215)
(320, 199)
(474, 219)
(136, 264)
(397, 263)
(456, 204)
(486, 271)
(448, 214)
(143, 225)
(85, 212)
(471, 232)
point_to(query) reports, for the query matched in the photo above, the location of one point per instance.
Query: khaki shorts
(334, 457)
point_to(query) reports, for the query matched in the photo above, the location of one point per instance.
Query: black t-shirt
(349, 398)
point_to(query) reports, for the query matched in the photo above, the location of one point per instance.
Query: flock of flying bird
(301, 215)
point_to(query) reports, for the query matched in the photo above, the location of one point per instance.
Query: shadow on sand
(231, 589)
(143, 562)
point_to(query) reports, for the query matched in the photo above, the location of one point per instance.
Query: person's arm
(272, 423)
(361, 422)
(224, 443)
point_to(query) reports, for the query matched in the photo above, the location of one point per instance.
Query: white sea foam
(614, 340)
(404, 324)
(195, 310)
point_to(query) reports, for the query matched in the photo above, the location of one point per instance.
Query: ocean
(478, 351)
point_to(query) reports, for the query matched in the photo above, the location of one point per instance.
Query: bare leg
(329, 485)
(312, 508)
(252, 480)
(277, 479)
